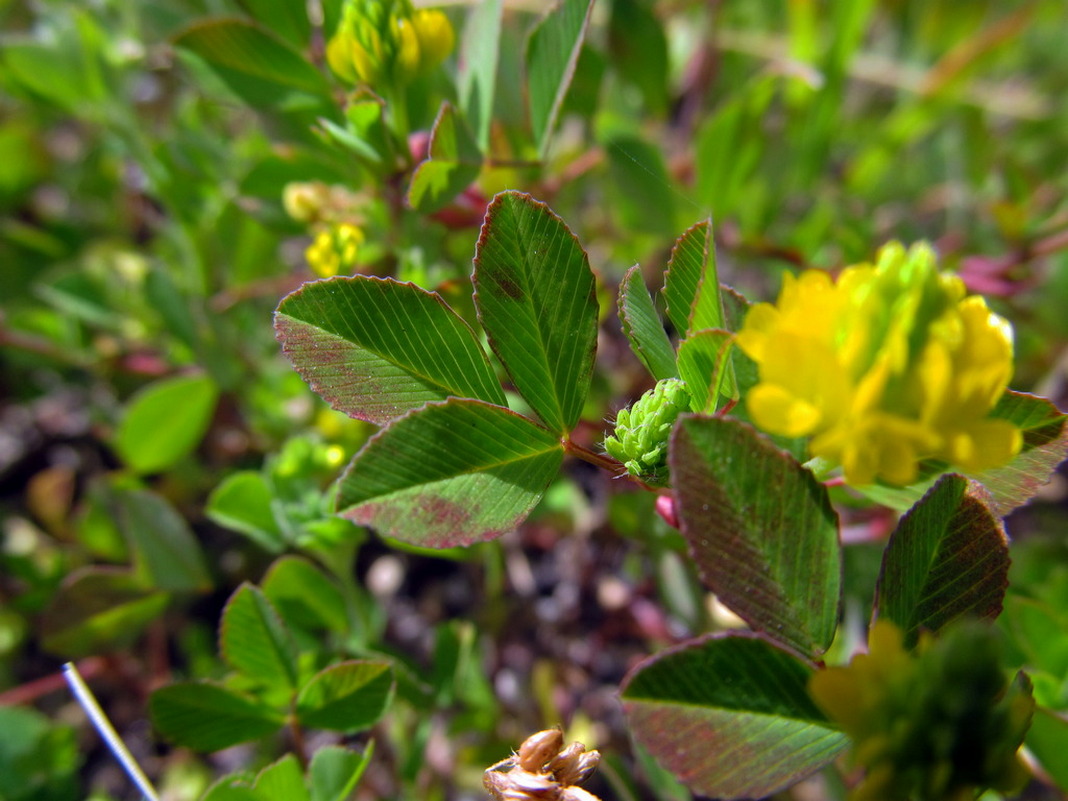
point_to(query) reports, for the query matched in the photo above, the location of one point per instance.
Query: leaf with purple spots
(450, 474)
(730, 715)
(375, 348)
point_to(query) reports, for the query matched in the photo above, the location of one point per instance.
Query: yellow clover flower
(334, 250)
(885, 367)
(937, 723)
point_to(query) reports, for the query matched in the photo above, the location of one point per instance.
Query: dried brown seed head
(531, 786)
(539, 748)
(496, 783)
(566, 758)
(576, 794)
(574, 765)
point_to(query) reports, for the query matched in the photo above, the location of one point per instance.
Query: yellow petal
(776, 410)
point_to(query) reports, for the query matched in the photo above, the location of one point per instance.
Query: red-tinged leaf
(760, 528)
(730, 715)
(375, 348)
(537, 300)
(1045, 435)
(642, 326)
(450, 474)
(691, 287)
(704, 366)
(1045, 445)
(948, 557)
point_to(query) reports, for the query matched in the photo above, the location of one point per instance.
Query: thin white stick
(89, 703)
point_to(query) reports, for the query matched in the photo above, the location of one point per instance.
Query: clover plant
(453, 464)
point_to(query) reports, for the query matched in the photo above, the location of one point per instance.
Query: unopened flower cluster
(640, 439)
(889, 365)
(941, 723)
(543, 770)
(388, 42)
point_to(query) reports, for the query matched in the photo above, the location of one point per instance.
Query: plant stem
(601, 460)
(604, 461)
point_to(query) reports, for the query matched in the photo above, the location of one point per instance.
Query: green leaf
(242, 49)
(730, 716)
(552, 53)
(98, 609)
(167, 552)
(450, 474)
(255, 642)
(243, 502)
(644, 199)
(208, 717)
(304, 595)
(691, 288)
(282, 779)
(165, 421)
(347, 697)
(288, 20)
(537, 300)
(729, 152)
(39, 759)
(1045, 435)
(54, 73)
(639, 50)
(454, 162)
(1037, 628)
(1046, 739)
(232, 787)
(643, 328)
(948, 557)
(704, 361)
(479, 54)
(760, 528)
(375, 348)
(334, 771)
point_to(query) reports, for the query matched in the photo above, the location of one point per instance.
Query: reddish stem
(31, 691)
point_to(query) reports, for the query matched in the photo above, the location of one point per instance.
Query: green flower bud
(640, 439)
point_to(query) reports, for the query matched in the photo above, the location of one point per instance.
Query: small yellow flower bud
(406, 65)
(334, 250)
(436, 37)
(302, 201)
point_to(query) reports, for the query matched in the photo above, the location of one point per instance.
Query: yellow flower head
(939, 722)
(388, 41)
(334, 250)
(887, 366)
